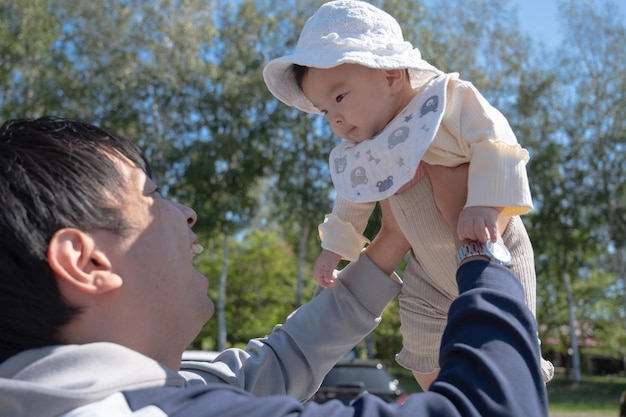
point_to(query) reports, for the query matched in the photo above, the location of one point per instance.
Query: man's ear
(76, 260)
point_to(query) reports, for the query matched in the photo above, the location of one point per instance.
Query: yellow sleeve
(342, 230)
(497, 178)
(497, 173)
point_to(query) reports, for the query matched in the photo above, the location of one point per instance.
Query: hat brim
(280, 79)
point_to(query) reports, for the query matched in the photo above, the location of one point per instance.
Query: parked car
(199, 355)
(351, 377)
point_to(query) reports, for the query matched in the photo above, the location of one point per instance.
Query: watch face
(499, 252)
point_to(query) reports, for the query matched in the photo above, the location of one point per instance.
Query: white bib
(376, 168)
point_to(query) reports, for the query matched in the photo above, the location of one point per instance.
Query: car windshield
(364, 377)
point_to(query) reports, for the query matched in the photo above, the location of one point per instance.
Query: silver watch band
(470, 249)
(495, 251)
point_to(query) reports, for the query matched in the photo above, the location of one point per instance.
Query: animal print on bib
(375, 169)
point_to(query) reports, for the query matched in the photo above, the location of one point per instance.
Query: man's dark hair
(54, 173)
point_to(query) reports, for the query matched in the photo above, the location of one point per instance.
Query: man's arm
(489, 362)
(489, 348)
(489, 354)
(296, 356)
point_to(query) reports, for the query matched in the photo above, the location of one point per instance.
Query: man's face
(163, 294)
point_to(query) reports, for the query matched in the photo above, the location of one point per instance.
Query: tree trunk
(302, 252)
(621, 270)
(221, 299)
(572, 327)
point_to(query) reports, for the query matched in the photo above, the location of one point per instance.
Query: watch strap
(471, 249)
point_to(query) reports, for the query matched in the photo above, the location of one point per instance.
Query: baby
(395, 110)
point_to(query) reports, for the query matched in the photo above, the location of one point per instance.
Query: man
(98, 299)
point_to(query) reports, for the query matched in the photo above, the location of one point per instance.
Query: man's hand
(324, 268)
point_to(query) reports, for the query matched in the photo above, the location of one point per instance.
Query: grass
(593, 395)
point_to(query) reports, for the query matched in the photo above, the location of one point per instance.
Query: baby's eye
(324, 112)
(339, 98)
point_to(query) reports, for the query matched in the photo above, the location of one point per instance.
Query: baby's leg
(429, 280)
(430, 275)
(423, 315)
(516, 239)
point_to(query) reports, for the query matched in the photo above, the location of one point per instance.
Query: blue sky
(538, 18)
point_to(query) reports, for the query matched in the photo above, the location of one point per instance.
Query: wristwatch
(496, 251)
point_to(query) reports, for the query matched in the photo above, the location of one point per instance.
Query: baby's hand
(324, 268)
(478, 223)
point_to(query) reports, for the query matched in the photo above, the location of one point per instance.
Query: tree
(132, 68)
(32, 68)
(565, 223)
(262, 269)
(479, 39)
(593, 66)
(300, 185)
(233, 128)
(181, 78)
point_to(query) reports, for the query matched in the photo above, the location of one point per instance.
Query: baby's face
(357, 101)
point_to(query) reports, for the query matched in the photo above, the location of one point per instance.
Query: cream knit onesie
(471, 131)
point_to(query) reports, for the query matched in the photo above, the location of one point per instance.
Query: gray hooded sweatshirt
(292, 360)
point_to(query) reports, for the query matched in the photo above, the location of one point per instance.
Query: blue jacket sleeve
(489, 356)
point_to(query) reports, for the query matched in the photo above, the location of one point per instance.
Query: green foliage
(28, 32)
(479, 39)
(386, 337)
(260, 291)
(405, 378)
(578, 176)
(183, 79)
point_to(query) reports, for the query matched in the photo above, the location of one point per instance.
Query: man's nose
(192, 216)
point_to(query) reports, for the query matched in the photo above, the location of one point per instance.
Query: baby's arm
(342, 237)
(324, 268)
(474, 223)
(474, 131)
(393, 246)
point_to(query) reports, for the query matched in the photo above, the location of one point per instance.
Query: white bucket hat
(342, 32)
